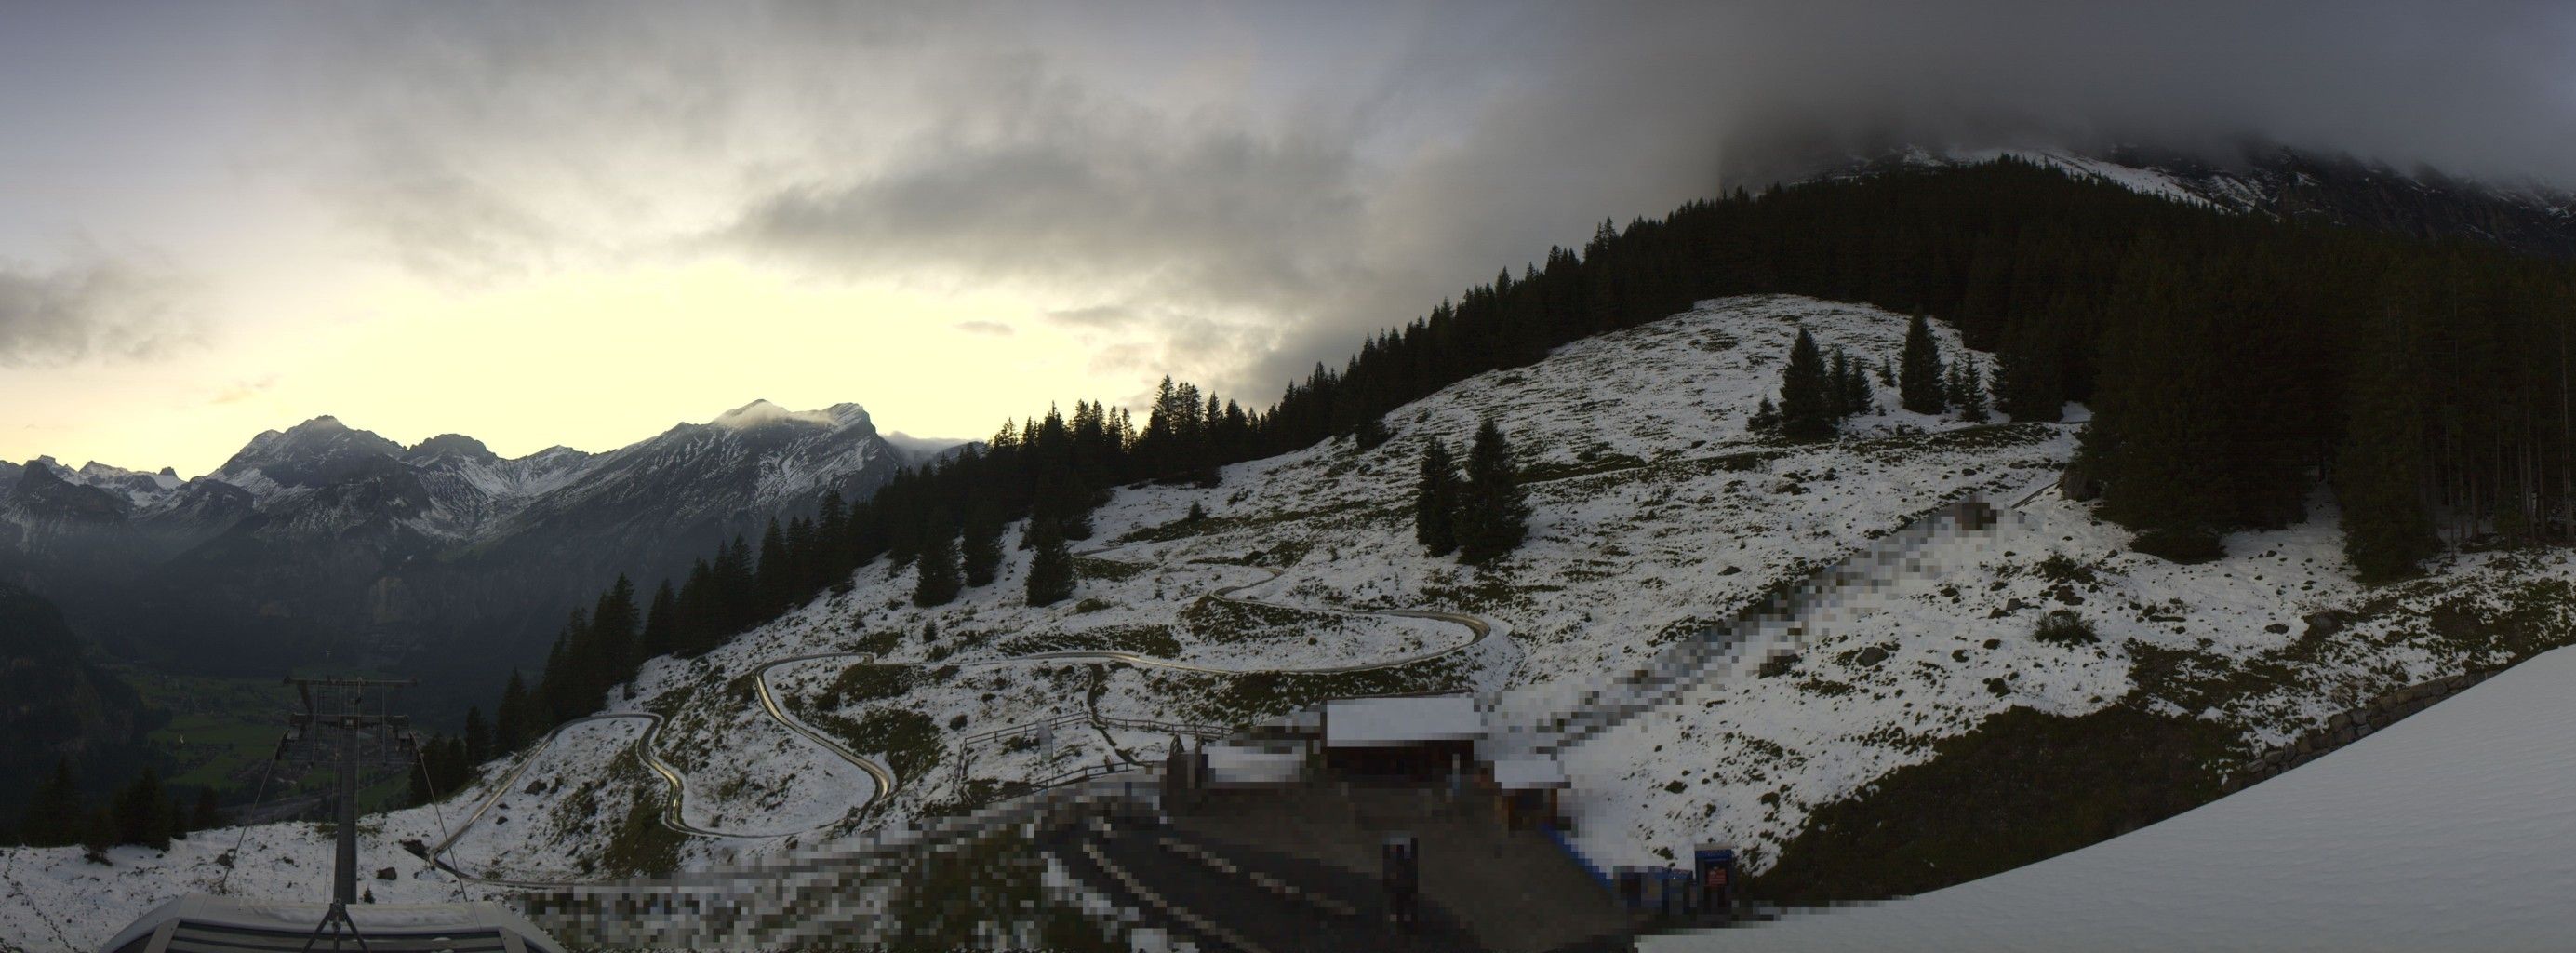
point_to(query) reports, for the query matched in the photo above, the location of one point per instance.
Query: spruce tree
(660, 635)
(1971, 395)
(1051, 566)
(775, 580)
(2026, 380)
(478, 737)
(511, 723)
(1886, 373)
(142, 812)
(1920, 385)
(98, 830)
(209, 813)
(2379, 472)
(982, 549)
(939, 580)
(1435, 501)
(1852, 385)
(1492, 518)
(1807, 410)
(53, 817)
(1765, 419)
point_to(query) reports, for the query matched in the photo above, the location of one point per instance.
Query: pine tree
(1492, 518)
(1971, 394)
(939, 580)
(1807, 400)
(661, 635)
(209, 813)
(1435, 501)
(1886, 374)
(478, 737)
(1051, 567)
(1765, 419)
(612, 634)
(99, 830)
(983, 546)
(53, 816)
(142, 812)
(177, 812)
(511, 723)
(1851, 385)
(2026, 380)
(2379, 472)
(775, 580)
(1920, 383)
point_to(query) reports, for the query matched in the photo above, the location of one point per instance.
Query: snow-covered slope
(1656, 516)
(2446, 831)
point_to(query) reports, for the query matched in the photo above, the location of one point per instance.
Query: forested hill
(2233, 362)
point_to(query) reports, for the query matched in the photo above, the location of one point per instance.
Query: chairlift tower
(347, 724)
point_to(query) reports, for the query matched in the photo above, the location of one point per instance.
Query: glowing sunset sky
(582, 223)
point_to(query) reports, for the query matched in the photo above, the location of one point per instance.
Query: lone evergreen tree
(1807, 401)
(1435, 501)
(1920, 386)
(1492, 518)
(939, 581)
(1051, 566)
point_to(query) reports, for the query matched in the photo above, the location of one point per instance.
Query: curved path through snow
(883, 779)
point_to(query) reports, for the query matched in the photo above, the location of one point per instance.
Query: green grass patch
(1153, 640)
(1243, 699)
(908, 740)
(2021, 787)
(1093, 567)
(1224, 622)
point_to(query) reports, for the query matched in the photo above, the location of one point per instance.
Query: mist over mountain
(442, 560)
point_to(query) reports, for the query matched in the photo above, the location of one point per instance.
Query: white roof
(1521, 774)
(2449, 830)
(1389, 722)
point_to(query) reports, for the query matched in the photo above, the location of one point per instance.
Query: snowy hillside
(1656, 516)
(2447, 831)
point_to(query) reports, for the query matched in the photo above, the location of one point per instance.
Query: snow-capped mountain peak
(762, 413)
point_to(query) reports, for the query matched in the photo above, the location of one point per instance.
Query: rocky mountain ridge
(327, 539)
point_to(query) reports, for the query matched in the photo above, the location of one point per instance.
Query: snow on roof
(1389, 722)
(2449, 830)
(1522, 774)
(1253, 764)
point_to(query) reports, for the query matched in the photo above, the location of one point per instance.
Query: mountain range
(441, 560)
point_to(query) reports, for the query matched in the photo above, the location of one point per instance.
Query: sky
(580, 224)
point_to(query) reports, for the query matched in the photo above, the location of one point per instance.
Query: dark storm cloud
(1239, 226)
(91, 310)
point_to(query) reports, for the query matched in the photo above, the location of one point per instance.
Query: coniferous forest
(2236, 366)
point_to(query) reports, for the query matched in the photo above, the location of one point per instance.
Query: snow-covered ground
(1655, 515)
(2450, 830)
